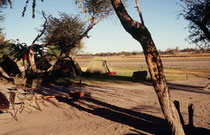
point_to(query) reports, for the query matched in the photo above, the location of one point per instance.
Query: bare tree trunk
(152, 57)
(31, 51)
(32, 60)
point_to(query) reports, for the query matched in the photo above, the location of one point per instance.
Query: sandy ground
(112, 109)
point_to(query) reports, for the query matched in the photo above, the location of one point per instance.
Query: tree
(94, 17)
(197, 12)
(5, 2)
(139, 32)
(3, 44)
(63, 34)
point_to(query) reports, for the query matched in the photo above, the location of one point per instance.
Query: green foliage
(5, 47)
(38, 50)
(53, 51)
(13, 49)
(96, 8)
(17, 50)
(197, 12)
(64, 33)
(4, 3)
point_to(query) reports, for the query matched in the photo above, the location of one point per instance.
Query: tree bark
(32, 60)
(155, 67)
(30, 49)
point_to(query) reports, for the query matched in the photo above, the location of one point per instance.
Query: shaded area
(196, 131)
(140, 121)
(106, 78)
(188, 88)
(52, 90)
(182, 87)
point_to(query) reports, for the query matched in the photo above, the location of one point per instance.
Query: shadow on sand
(181, 87)
(140, 121)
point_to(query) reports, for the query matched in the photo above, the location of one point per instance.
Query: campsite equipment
(5, 104)
(9, 66)
(112, 73)
(66, 67)
(76, 95)
(98, 66)
(79, 94)
(139, 76)
(25, 95)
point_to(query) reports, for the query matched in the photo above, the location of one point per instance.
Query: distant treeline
(186, 50)
(168, 51)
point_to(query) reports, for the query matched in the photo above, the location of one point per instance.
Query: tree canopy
(64, 33)
(5, 2)
(197, 12)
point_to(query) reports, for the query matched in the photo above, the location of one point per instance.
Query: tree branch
(44, 28)
(140, 13)
(93, 23)
(131, 26)
(155, 67)
(30, 49)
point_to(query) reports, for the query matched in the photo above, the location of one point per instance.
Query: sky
(160, 17)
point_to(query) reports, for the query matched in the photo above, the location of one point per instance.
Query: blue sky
(160, 17)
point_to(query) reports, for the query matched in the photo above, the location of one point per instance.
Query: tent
(66, 67)
(98, 66)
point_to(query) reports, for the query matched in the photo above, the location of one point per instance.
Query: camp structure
(98, 66)
(139, 76)
(66, 67)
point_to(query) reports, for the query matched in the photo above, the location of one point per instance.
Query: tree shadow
(188, 88)
(182, 87)
(196, 130)
(140, 121)
(137, 120)
(107, 78)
